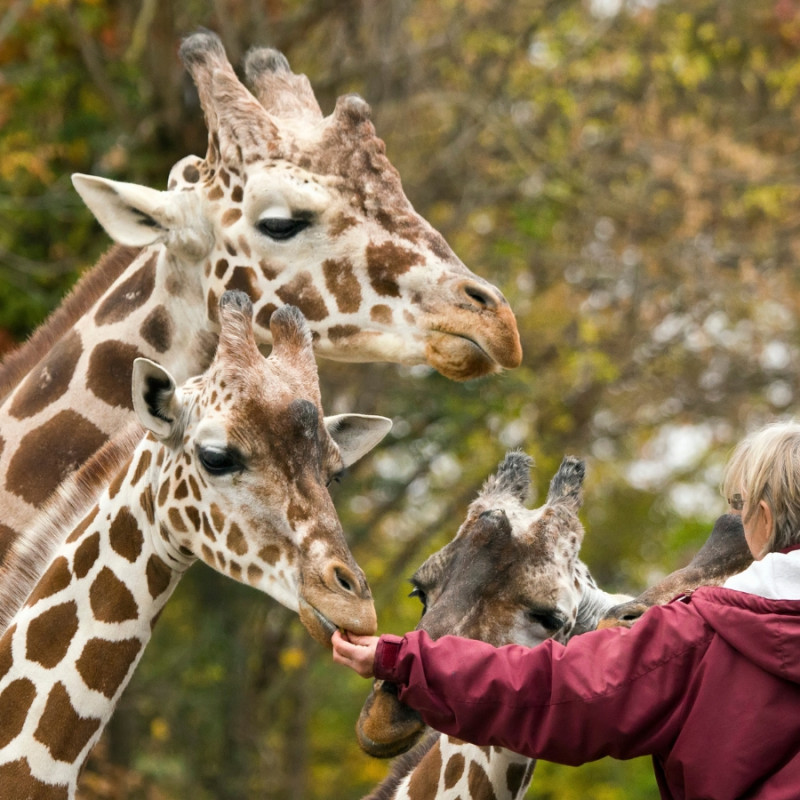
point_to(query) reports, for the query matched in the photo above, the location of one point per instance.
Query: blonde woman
(708, 685)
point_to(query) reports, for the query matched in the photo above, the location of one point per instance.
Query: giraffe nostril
(479, 296)
(343, 581)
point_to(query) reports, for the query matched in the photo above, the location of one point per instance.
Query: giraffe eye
(281, 228)
(417, 591)
(549, 620)
(336, 477)
(219, 460)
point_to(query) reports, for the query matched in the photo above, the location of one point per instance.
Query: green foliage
(629, 180)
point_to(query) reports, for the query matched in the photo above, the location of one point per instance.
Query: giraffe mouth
(324, 622)
(458, 356)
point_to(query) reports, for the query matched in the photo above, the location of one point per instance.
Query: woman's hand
(354, 651)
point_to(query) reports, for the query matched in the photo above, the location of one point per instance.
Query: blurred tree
(626, 170)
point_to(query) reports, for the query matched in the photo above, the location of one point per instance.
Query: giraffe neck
(72, 648)
(443, 768)
(78, 394)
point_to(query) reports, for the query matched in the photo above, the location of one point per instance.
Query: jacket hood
(757, 612)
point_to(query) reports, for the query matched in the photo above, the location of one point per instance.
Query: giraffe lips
(458, 357)
(326, 624)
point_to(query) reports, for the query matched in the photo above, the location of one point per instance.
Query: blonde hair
(766, 466)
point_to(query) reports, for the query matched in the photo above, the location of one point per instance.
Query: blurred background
(627, 171)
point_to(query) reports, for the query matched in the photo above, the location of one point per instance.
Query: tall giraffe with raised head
(233, 471)
(288, 206)
(510, 575)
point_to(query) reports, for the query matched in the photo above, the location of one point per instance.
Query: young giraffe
(511, 575)
(287, 205)
(232, 470)
(725, 553)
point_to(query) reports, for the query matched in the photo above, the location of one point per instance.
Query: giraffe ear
(356, 434)
(131, 214)
(156, 398)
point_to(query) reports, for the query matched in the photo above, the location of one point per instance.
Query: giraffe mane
(32, 552)
(403, 765)
(80, 299)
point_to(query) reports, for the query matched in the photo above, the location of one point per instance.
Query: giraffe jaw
(459, 357)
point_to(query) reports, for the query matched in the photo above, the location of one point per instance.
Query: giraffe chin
(386, 728)
(458, 358)
(316, 623)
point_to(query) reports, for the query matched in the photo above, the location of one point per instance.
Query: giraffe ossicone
(288, 205)
(232, 469)
(510, 575)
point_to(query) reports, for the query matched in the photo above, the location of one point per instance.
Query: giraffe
(724, 553)
(510, 575)
(231, 468)
(288, 205)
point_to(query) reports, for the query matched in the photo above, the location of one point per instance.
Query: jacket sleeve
(616, 692)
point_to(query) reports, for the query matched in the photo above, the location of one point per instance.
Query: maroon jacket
(709, 686)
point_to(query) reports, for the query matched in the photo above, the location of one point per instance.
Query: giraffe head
(724, 554)
(244, 469)
(507, 577)
(295, 207)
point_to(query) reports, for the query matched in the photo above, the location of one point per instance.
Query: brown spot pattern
(236, 542)
(231, 216)
(49, 635)
(254, 574)
(131, 294)
(86, 555)
(381, 314)
(269, 271)
(62, 730)
(104, 665)
(340, 224)
(517, 774)
(479, 783)
(18, 781)
(142, 466)
(341, 282)
(110, 598)
(7, 538)
(157, 330)
(245, 280)
(454, 770)
(146, 502)
(176, 520)
(49, 380)
(301, 292)
(159, 576)
(387, 261)
(264, 315)
(15, 701)
(125, 536)
(338, 332)
(270, 554)
(57, 577)
(194, 517)
(110, 370)
(427, 773)
(50, 453)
